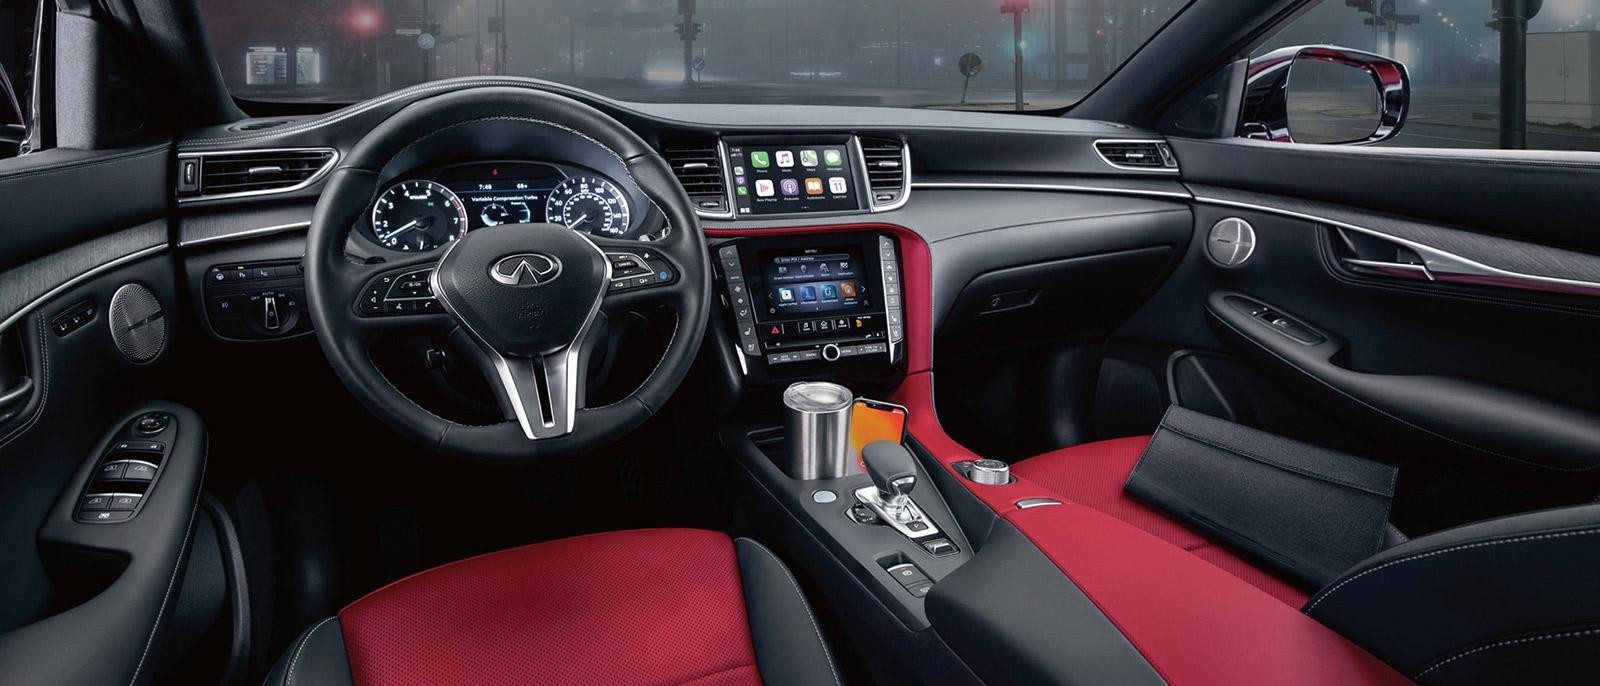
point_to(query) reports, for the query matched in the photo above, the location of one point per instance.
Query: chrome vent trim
(1144, 155)
(701, 169)
(250, 173)
(886, 168)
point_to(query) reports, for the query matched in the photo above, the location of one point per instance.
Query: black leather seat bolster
(790, 649)
(315, 658)
(1472, 604)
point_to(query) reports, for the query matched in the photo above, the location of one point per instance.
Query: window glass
(1452, 50)
(903, 53)
(18, 22)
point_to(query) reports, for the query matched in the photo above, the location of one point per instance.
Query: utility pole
(1016, 8)
(1511, 19)
(688, 29)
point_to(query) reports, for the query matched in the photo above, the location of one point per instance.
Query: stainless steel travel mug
(817, 423)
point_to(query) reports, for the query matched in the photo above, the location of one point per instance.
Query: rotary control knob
(990, 472)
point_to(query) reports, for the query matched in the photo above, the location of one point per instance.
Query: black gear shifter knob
(893, 469)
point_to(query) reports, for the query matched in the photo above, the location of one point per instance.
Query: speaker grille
(138, 324)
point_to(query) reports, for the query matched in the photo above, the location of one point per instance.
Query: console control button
(139, 471)
(939, 547)
(921, 590)
(152, 423)
(908, 575)
(141, 446)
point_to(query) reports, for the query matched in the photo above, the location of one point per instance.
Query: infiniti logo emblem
(526, 269)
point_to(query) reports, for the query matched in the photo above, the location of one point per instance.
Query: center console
(814, 305)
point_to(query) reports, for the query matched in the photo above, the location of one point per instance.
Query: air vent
(1137, 155)
(698, 166)
(221, 174)
(888, 171)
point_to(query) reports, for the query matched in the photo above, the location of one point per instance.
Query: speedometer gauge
(589, 204)
(418, 216)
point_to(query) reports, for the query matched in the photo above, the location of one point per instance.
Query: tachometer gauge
(589, 204)
(418, 216)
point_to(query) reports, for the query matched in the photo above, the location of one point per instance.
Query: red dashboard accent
(916, 270)
(661, 606)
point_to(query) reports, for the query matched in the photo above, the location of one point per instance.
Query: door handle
(13, 399)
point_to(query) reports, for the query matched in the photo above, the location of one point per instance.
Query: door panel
(1441, 326)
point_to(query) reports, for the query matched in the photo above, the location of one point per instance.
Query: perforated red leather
(1092, 474)
(629, 608)
(1193, 622)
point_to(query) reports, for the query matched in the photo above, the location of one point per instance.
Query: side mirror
(1324, 94)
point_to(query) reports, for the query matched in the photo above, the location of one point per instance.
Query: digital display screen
(496, 194)
(812, 281)
(792, 178)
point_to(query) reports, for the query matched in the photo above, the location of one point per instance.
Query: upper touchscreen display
(792, 177)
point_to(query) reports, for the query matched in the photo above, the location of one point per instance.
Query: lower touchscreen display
(812, 281)
(792, 178)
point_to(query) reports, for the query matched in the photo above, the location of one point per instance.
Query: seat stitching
(288, 678)
(1480, 544)
(1509, 642)
(814, 627)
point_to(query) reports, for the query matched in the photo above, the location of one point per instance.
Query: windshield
(955, 54)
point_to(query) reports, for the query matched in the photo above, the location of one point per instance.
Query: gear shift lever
(894, 472)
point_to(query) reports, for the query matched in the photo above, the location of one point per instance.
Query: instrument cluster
(430, 209)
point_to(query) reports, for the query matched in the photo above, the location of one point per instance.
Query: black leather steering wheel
(529, 300)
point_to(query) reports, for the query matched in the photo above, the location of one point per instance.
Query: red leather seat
(663, 606)
(1092, 474)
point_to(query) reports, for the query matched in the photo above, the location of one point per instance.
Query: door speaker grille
(138, 324)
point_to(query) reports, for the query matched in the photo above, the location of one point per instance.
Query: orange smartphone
(874, 420)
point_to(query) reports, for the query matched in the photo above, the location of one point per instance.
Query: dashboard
(430, 207)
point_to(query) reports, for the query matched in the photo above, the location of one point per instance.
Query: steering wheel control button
(990, 472)
(638, 270)
(403, 291)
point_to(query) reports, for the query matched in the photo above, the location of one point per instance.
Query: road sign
(426, 41)
(1386, 10)
(970, 65)
(699, 64)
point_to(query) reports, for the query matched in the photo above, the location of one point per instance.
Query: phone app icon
(759, 159)
(808, 158)
(786, 295)
(832, 157)
(790, 186)
(829, 292)
(785, 158)
(738, 170)
(764, 188)
(848, 288)
(838, 184)
(813, 186)
(744, 191)
(808, 294)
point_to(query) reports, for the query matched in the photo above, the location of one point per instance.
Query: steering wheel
(529, 301)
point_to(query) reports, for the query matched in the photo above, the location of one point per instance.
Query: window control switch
(124, 502)
(94, 502)
(139, 471)
(111, 471)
